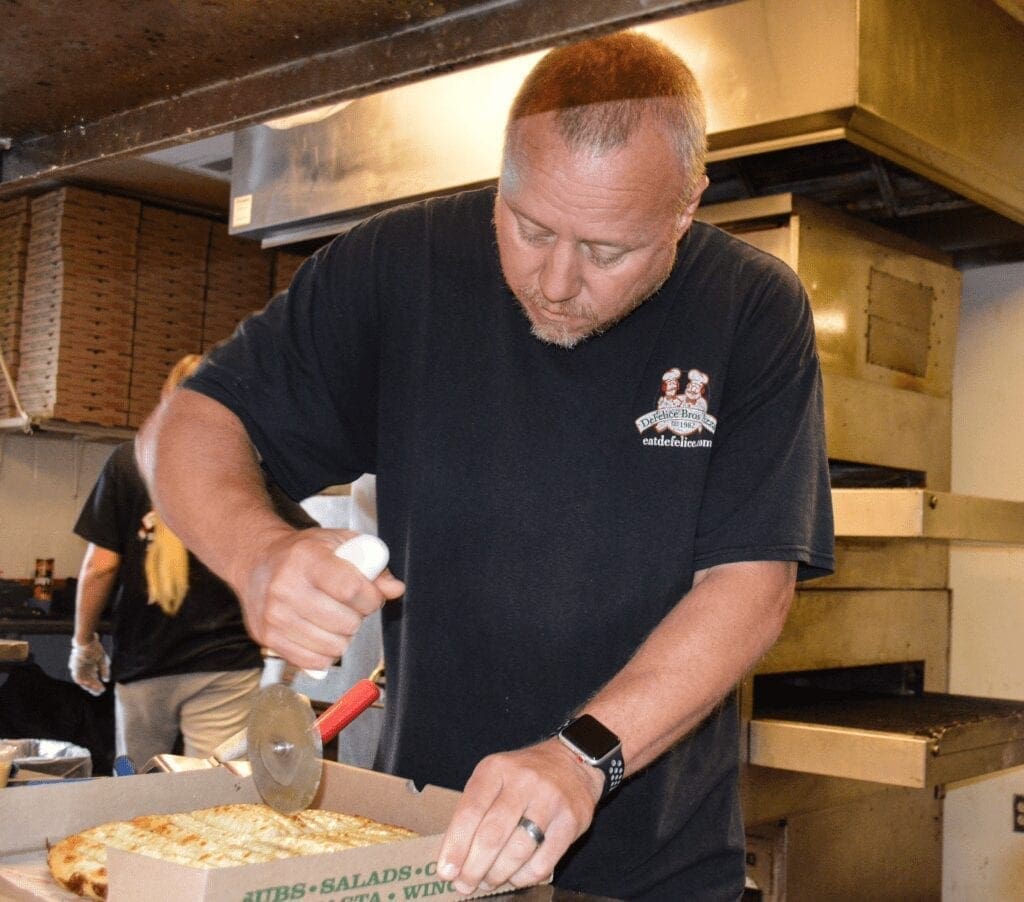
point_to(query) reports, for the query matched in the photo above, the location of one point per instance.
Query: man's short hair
(600, 90)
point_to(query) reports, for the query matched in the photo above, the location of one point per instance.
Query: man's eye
(534, 237)
(606, 258)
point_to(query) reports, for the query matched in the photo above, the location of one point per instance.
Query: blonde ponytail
(166, 568)
(166, 555)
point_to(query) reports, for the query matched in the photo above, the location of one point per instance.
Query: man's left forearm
(687, 665)
(695, 657)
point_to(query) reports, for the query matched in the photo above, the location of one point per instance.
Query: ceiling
(139, 96)
(85, 83)
(70, 63)
(67, 66)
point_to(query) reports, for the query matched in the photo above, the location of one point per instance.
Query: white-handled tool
(284, 740)
(369, 555)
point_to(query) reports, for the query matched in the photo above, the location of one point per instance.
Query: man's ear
(685, 216)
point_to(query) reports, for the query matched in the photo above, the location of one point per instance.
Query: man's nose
(561, 277)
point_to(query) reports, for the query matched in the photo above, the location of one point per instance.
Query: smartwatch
(594, 744)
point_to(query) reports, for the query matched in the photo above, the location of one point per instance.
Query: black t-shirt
(207, 634)
(546, 507)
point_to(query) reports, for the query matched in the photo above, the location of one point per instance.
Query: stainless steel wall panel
(859, 276)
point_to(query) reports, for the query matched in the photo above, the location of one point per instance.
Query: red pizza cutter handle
(346, 709)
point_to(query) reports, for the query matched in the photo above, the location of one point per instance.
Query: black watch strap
(613, 769)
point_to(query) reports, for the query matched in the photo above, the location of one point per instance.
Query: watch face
(591, 737)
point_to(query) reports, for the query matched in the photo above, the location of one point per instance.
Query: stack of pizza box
(237, 283)
(79, 307)
(170, 290)
(285, 266)
(14, 226)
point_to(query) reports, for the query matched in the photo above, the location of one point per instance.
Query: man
(496, 359)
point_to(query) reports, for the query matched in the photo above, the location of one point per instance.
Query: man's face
(585, 239)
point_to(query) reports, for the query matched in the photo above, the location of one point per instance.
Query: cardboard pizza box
(32, 817)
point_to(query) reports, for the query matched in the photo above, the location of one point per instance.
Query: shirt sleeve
(105, 517)
(767, 495)
(301, 374)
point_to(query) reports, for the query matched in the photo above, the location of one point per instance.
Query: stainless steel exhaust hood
(910, 114)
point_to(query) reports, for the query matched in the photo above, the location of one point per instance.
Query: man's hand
(89, 665)
(485, 847)
(302, 601)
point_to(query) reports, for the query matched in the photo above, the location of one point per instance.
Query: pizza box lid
(34, 816)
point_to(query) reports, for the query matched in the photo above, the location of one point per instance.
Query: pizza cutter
(284, 740)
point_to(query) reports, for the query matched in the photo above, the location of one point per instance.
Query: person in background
(182, 661)
(580, 593)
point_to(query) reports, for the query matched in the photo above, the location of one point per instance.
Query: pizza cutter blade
(286, 742)
(285, 749)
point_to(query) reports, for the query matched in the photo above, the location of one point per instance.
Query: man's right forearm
(298, 598)
(205, 481)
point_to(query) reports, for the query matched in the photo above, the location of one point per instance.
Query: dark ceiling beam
(486, 32)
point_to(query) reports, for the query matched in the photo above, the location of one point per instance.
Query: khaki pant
(205, 708)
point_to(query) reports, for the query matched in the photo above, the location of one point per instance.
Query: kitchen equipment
(275, 701)
(286, 742)
(283, 739)
(848, 724)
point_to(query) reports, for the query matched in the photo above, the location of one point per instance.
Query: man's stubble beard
(560, 334)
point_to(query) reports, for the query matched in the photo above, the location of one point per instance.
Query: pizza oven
(850, 733)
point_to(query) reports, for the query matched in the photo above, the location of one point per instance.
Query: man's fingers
(487, 842)
(311, 602)
(559, 835)
(491, 841)
(480, 792)
(305, 644)
(519, 851)
(390, 586)
(519, 812)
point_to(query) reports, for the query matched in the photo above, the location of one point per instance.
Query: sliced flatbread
(220, 837)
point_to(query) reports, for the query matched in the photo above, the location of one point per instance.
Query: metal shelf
(917, 741)
(923, 514)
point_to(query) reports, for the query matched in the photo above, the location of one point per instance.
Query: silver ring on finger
(536, 834)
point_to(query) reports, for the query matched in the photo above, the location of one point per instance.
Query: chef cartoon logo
(681, 413)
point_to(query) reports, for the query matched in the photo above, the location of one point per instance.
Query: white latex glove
(89, 665)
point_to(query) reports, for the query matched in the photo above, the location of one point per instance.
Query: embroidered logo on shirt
(681, 414)
(146, 527)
